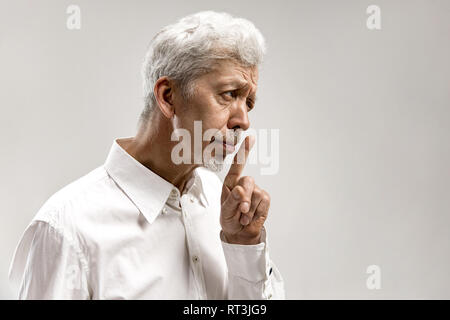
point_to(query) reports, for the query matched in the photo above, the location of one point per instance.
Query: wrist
(243, 240)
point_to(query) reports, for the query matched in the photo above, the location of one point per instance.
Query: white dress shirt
(123, 232)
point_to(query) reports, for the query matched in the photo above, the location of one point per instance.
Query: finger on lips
(249, 185)
(242, 188)
(236, 168)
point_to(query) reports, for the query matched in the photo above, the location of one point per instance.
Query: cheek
(216, 121)
(214, 115)
(206, 108)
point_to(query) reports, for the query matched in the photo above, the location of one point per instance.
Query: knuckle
(240, 191)
(257, 191)
(266, 197)
(248, 181)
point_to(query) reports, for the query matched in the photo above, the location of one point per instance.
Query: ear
(164, 94)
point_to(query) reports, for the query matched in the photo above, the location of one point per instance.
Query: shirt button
(164, 211)
(270, 296)
(173, 193)
(191, 198)
(195, 258)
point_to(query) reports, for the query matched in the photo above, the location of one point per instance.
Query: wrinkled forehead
(227, 72)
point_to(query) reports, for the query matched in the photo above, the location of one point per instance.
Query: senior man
(144, 226)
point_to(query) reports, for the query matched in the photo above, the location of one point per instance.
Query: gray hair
(189, 48)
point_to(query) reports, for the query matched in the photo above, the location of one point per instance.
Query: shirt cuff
(250, 262)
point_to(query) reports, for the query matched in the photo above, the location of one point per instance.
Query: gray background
(363, 118)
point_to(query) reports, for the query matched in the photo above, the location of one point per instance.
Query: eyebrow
(235, 83)
(238, 84)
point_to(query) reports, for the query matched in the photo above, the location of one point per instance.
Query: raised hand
(245, 206)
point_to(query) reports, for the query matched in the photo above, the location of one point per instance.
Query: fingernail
(245, 220)
(245, 207)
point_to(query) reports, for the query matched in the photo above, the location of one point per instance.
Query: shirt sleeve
(47, 265)
(251, 273)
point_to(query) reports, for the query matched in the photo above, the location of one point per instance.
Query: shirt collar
(148, 191)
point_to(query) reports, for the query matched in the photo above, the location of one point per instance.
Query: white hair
(187, 49)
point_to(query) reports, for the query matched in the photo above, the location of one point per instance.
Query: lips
(228, 146)
(222, 141)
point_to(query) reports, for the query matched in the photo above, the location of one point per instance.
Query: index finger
(239, 162)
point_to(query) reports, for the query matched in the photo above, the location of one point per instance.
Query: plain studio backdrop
(363, 118)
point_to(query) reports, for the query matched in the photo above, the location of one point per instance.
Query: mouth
(228, 146)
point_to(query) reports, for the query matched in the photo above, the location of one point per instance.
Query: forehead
(227, 72)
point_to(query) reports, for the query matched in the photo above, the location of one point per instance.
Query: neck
(152, 147)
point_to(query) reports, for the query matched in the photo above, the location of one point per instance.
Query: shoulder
(75, 197)
(55, 227)
(77, 189)
(84, 195)
(69, 212)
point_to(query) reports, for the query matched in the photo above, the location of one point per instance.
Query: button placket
(194, 250)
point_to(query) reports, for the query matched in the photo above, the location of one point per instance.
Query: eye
(250, 104)
(229, 94)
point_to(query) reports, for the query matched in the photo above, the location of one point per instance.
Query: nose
(239, 117)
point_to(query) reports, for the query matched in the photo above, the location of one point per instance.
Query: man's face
(221, 101)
